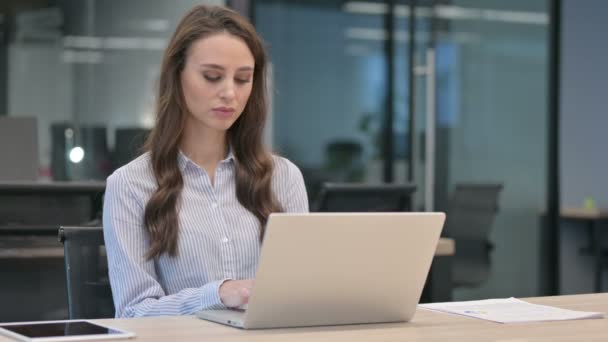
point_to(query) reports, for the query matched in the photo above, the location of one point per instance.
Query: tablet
(58, 331)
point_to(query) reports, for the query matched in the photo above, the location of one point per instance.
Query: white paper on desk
(510, 310)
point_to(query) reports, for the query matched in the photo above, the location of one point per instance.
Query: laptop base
(233, 318)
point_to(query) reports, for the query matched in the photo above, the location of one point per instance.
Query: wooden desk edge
(445, 247)
(31, 252)
(426, 326)
(582, 213)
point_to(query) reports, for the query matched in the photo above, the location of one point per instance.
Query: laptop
(338, 268)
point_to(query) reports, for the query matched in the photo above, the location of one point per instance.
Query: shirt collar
(183, 161)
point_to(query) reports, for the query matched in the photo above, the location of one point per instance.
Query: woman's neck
(204, 147)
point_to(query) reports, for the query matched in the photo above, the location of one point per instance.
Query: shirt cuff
(211, 295)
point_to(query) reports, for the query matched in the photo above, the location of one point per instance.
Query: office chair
(88, 287)
(364, 197)
(128, 145)
(470, 214)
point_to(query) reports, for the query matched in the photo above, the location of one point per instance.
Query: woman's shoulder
(289, 186)
(137, 174)
(285, 168)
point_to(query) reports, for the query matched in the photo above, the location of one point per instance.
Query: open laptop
(338, 268)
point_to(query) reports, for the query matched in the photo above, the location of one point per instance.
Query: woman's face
(216, 81)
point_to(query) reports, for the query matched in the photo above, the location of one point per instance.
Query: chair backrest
(128, 146)
(88, 287)
(364, 197)
(470, 214)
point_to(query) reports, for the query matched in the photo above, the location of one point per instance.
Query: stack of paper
(510, 310)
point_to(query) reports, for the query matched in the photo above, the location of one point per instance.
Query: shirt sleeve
(291, 190)
(135, 286)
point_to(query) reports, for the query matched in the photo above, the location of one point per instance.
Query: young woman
(183, 223)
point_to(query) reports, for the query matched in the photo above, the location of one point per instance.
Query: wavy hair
(253, 163)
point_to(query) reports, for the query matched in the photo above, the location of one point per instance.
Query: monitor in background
(18, 149)
(360, 197)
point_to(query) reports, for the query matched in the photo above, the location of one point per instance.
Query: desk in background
(592, 219)
(426, 326)
(445, 247)
(31, 213)
(32, 270)
(31, 207)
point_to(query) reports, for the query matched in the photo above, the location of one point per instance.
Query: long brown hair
(253, 163)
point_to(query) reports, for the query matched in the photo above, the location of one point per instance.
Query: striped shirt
(218, 238)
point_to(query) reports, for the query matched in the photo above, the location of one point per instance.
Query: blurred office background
(435, 93)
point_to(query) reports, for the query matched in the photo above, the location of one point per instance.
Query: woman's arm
(135, 286)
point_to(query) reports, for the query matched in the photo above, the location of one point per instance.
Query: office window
(490, 67)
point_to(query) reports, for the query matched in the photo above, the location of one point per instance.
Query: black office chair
(470, 214)
(88, 287)
(364, 197)
(128, 145)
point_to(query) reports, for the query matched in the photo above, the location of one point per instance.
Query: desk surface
(445, 247)
(54, 187)
(582, 213)
(426, 326)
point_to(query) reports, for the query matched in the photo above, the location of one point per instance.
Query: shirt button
(214, 205)
(225, 239)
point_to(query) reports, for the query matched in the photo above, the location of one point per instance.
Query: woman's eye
(212, 78)
(243, 80)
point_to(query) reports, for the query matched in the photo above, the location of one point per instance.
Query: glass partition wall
(435, 93)
(431, 92)
(87, 71)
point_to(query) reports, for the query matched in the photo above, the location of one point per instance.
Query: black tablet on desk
(59, 331)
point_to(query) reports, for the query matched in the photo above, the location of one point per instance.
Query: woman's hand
(235, 293)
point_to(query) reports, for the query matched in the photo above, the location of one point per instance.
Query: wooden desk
(584, 214)
(426, 326)
(445, 247)
(592, 218)
(29, 208)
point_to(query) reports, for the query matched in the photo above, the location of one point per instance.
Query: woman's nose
(227, 91)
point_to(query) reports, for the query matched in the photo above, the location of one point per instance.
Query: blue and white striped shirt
(218, 238)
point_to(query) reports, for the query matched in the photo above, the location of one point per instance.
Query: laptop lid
(342, 268)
